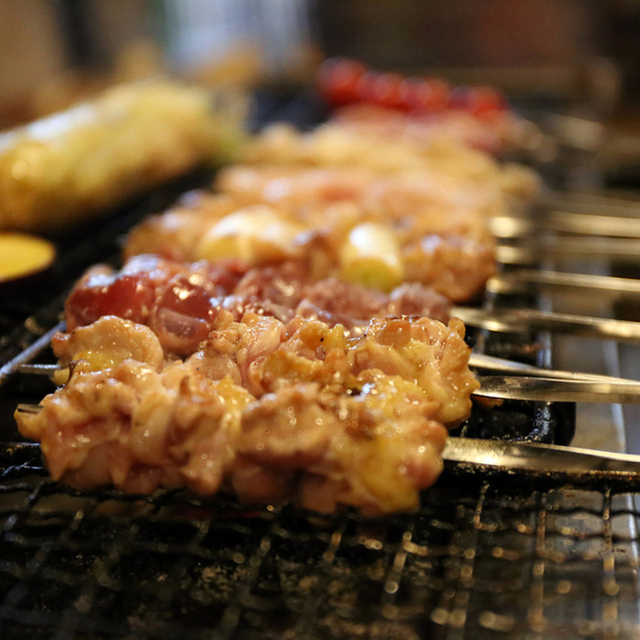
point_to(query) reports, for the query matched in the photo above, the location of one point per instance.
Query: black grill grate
(477, 561)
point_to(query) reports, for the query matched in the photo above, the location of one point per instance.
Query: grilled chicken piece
(109, 341)
(138, 429)
(457, 267)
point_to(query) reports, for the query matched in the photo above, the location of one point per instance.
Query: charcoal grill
(486, 556)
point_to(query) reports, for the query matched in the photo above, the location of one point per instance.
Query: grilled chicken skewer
(578, 464)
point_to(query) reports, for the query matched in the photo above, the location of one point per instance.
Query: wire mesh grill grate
(474, 562)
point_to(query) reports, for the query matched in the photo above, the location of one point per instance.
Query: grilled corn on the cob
(63, 168)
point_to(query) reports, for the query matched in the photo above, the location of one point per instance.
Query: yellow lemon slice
(23, 255)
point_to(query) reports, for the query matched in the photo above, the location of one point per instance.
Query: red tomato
(342, 82)
(338, 81)
(425, 96)
(459, 97)
(487, 101)
(478, 101)
(382, 89)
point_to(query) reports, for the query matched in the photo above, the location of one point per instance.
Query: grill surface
(477, 561)
(487, 556)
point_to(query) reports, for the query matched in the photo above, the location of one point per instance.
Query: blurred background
(55, 51)
(573, 58)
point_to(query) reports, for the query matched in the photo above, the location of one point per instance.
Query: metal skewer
(39, 369)
(28, 408)
(558, 390)
(29, 353)
(594, 203)
(532, 249)
(525, 279)
(584, 224)
(579, 464)
(501, 365)
(476, 360)
(527, 320)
